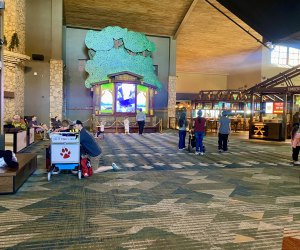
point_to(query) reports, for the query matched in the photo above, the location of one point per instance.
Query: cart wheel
(49, 176)
(79, 174)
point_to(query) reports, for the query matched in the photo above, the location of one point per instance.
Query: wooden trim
(186, 16)
(9, 94)
(125, 73)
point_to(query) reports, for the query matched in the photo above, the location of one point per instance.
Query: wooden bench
(11, 180)
(291, 243)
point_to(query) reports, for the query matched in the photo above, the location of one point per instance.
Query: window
(294, 56)
(282, 55)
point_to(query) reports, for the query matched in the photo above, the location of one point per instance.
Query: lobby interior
(162, 198)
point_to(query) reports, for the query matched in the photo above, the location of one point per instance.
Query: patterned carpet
(247, 198)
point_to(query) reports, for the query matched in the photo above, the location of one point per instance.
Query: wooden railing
(118, 127)
(212, 124)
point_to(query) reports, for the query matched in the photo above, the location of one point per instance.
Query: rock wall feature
(171, 96)
(14, 22)
(14, 82)
(56, 88)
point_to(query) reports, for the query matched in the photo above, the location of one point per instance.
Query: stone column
(14, 22)
(171, 97)
(56, 88)
(14, 81)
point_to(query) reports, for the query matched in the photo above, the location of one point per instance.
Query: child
(126, 125)
(101, 130)
(295, 141)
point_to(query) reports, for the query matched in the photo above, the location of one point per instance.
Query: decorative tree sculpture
(114, 50)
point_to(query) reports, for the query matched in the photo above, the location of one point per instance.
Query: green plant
(14, 42)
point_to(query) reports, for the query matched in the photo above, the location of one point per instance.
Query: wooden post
(284, 118)
(160, 125)
(116, 127)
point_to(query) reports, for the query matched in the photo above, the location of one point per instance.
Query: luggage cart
(65, 152)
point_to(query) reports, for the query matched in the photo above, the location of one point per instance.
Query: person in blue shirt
(223, 131)
(91, 148)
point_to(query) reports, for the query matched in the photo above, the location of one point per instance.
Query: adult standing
(199, 129)
(296, 118)
(223, 131)
(141, 118)
(91, 148)
(182, 125)
(295, 143)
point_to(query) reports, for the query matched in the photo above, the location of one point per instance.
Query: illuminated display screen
(297, 99)
(273, 107)
(207, 105)
(269, 107)
(227, 105)
(278, 107)
(125, 100)
(106, 101)
(142, 98)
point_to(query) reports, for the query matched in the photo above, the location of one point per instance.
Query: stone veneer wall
(171, 97)
(15, 77)
(14, 21)
(56, 88)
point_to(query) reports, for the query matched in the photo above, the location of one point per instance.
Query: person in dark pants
(182, 126)
(295, 142)
(199, 129)
(223, 132)
(296, 118)
(141, 118)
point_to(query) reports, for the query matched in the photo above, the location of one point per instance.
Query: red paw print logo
(65, 153)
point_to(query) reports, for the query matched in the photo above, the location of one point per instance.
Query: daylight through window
(282, 55)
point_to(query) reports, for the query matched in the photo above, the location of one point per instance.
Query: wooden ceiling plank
(185, 18)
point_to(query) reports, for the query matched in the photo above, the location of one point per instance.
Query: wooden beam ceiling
(207, 41)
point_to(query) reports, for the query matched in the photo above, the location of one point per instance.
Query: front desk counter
(30, 136)
(272, 131)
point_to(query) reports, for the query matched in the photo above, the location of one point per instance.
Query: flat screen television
(125, 98)
(106, 102)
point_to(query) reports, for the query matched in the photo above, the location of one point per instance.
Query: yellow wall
(248, 72)
(195, 82)
(243, 79)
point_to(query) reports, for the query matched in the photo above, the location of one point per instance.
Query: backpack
(86, 168)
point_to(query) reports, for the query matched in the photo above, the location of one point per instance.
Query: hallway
(162, 198)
